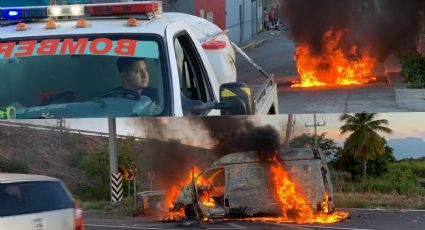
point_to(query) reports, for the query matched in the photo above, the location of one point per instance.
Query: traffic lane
(360, 219)
(275, 55)
(384, 219)
(223, 226)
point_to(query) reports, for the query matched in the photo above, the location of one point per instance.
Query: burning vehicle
(290, 186)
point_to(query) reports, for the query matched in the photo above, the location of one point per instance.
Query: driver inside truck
(134, 75)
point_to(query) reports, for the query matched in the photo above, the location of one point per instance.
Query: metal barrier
(58, 129)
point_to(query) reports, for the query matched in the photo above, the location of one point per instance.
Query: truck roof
(253, 156)
(10, 177)
(96, 26)
(112, 25)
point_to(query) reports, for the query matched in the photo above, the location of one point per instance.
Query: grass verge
(124, 208)
(379, 200)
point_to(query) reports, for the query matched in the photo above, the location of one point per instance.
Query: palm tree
(364, 142)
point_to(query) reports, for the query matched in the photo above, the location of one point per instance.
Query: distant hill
(409, 147)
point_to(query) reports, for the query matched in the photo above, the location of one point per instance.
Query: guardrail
(63, 129)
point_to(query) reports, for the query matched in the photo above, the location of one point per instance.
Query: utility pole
(113, 159)
(315, 125)
(60, 124)
(289, 128)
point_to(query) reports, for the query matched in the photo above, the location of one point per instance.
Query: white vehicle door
(193, 79)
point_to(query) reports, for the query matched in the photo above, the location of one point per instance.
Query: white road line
(317, 226)
(237, 226)
(131, 227)
(234, 227)
(296, 227)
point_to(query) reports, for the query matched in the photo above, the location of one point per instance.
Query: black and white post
(117, 191)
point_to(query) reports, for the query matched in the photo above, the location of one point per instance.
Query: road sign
(116, 187)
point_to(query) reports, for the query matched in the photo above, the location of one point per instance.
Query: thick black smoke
(236, 134)
(385, 26)
(171, 160)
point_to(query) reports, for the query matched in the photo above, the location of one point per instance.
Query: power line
(315, 125)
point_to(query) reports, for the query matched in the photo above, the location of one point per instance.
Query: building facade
(212, 10)
(242, 18)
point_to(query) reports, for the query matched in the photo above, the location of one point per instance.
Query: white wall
(239, 30)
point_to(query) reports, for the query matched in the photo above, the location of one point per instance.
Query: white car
(33, 202)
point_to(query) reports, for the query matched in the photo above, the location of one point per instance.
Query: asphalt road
(360, 219)
(275, 55)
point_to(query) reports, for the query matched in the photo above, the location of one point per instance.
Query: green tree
(380, 165)
(96, 168)
(364, 142)
(327, 145)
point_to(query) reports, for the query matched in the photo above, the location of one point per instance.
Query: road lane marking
(317, 226)
(234, 227)
(237, 226)
(131, 227)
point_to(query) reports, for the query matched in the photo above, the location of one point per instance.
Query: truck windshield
(82, 77)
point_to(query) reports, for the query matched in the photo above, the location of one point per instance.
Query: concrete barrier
(401, 92)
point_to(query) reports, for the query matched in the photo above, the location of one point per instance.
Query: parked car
(37, 203)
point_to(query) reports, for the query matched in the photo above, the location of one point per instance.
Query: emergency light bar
(17, 13)
(150, 8)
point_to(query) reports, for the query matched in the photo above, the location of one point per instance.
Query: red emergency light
(148, 7)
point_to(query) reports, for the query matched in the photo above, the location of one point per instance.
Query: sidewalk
(260, 39)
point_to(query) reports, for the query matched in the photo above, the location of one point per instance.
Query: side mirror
(238, 98)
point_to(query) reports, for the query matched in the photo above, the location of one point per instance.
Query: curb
(253, 44)
(403, 94)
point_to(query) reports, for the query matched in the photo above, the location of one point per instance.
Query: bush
(74, 160)
(13, 166)
(396, 181)
(413, 69)
(96, 168)
(416, 166)
(126, 207)
(87, 192)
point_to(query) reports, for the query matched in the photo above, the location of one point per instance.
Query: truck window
(193, 77)
(83, 76)
(214, 187)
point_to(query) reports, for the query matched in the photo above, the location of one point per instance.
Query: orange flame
(332, 67)
(174, 192)
(291, 199)
(294, 201)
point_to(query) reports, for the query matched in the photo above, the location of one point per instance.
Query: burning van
(249, 184)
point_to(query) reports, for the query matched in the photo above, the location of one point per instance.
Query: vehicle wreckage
(246, 184)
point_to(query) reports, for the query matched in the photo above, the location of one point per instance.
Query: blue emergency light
(12, 13)
(22, 13)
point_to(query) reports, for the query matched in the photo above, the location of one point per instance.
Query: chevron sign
(116, 187)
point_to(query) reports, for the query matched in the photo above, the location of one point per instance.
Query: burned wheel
(189, 212)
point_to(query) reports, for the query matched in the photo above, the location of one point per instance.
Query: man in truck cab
(134, 75)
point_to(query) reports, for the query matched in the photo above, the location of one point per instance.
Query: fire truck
(68, 61)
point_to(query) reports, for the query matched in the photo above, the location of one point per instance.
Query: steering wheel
(126, 93)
